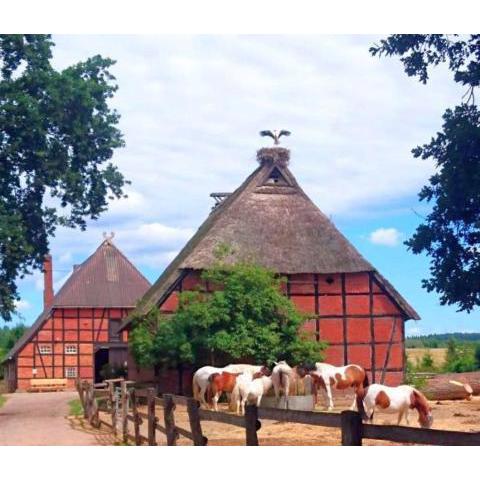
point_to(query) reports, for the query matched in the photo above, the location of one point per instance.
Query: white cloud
(389, 237)
(191, 110)
(22, 305)
(412, 329)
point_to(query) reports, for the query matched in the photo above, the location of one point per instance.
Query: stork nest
(277, 155)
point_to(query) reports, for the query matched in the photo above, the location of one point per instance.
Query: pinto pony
(327, 376)
(398, 400)
(200, 382)
(218, 383)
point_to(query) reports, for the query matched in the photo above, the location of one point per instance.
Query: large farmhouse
(270, 220)
(77, 332)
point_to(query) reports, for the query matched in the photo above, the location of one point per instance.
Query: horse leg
(329, 394)
(203, 402)
(215, 401)
(400, 416)
(406, 417)
(354, 403)
(276, 389)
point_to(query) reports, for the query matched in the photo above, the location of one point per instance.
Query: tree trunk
(438, 387)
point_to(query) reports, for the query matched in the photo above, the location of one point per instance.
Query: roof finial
(275, 134)
(107, 237)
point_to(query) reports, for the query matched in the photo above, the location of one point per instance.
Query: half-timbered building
(77, 332)
(270, 220)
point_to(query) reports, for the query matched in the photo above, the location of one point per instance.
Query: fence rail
(124, 408)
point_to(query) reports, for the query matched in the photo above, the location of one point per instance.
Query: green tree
(427, 361)
(248, 319)
(8, 338)
(450, 233)
(477, 356)
(57, 135)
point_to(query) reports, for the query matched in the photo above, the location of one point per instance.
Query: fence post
(169, 418)
(136, 417)
(352, 428)
(195, 425)
(78, 385)
(124, 400)
(152, 419)
(111, 395)
(83, 387)
(252, 424)
(89, 402)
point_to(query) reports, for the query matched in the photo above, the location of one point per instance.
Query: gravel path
(42, 419)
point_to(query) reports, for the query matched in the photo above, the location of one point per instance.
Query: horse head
(420, 403)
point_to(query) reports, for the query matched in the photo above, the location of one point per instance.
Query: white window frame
(45, 349)
(73, 349)
(70, 372)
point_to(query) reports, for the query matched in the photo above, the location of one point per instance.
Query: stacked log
(452, 386)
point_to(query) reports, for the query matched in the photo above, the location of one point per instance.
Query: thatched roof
(269, 220)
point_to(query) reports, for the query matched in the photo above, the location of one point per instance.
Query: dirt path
(42, 419)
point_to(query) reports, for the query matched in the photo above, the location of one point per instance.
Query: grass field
(76, 409)
(438, 354)
(2, 400)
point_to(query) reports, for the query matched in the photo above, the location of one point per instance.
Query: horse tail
(211, 382)
(366, 382)
(360, 395)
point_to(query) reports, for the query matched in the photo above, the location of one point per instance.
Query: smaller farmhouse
(77, 332)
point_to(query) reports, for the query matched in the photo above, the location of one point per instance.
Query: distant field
(416, 354)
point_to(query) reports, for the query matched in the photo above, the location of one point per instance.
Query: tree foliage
(57, 135)
(450, 233)
(247, 319)
(8, 338)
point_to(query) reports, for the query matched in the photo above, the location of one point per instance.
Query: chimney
(47, 282)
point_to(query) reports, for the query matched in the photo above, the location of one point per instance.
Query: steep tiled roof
(105, 279)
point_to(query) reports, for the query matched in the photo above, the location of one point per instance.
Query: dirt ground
(448, 415)
(43, 419)
(415, 355)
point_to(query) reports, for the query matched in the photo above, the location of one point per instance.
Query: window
(45, 349)
(113, 334)
(71, 372)
(71, 349)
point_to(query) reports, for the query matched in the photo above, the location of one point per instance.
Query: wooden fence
(102, 397)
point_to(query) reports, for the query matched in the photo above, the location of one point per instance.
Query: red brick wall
(82, 327)
(354, 300)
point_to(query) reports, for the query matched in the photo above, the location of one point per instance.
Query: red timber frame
(353, 312)
(85, 328)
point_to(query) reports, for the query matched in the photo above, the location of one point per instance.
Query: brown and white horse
(328, 376)
(398, 400)
(225, 381)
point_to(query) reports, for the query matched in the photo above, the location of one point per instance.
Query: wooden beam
(344, 317)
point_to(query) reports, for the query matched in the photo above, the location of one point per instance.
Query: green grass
(2, 400)
(75, 407)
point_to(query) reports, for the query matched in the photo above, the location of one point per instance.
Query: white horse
(327, 376)
(242, 368)
(282, 375)
(250, 389)
(396, 400)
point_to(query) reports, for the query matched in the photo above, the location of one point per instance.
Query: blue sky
(191, 110)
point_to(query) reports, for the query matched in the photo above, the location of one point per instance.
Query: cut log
(452, 386)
